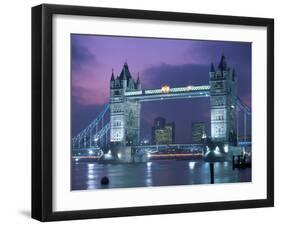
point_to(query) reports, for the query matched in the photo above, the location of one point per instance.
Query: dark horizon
(158, 62)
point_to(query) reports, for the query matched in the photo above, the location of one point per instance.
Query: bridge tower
(124, 113)
(223, 96)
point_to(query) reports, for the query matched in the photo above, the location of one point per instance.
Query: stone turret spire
(125, 73)
(112, 76)
(223, 64)
(138, 82)
(233, 74)
(112, 80)
(212, 69)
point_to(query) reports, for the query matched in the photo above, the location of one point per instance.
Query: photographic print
(165, 104)
(159, 112)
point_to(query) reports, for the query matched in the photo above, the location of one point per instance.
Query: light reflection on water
(149, 174)
(191, 165)
(154, 173)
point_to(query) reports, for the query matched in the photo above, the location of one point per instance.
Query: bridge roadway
(160, 147)
(166, 93)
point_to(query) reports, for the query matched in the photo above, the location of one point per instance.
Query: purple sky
(158, 61)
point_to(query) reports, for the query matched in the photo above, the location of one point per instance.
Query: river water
(155, 173)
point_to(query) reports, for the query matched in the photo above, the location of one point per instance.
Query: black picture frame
(42, 106)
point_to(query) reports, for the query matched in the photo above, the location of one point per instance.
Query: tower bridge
(126, 95)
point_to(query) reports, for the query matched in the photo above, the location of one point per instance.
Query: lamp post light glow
(225, 148)
(189, 88)
(217, 150)
(165, 89)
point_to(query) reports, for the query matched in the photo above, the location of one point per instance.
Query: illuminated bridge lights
(167, 89)
(79, 138)
(176, 155)
(132, 93)
(76, 158)
(189, 87)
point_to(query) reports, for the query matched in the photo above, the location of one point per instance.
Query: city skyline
(188, 63)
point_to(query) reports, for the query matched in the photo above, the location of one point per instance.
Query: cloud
(81, 57)
(89, 95)
(175, 75)
(237, 53)
(88, 87)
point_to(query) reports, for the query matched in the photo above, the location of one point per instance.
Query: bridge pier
(121, 153)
